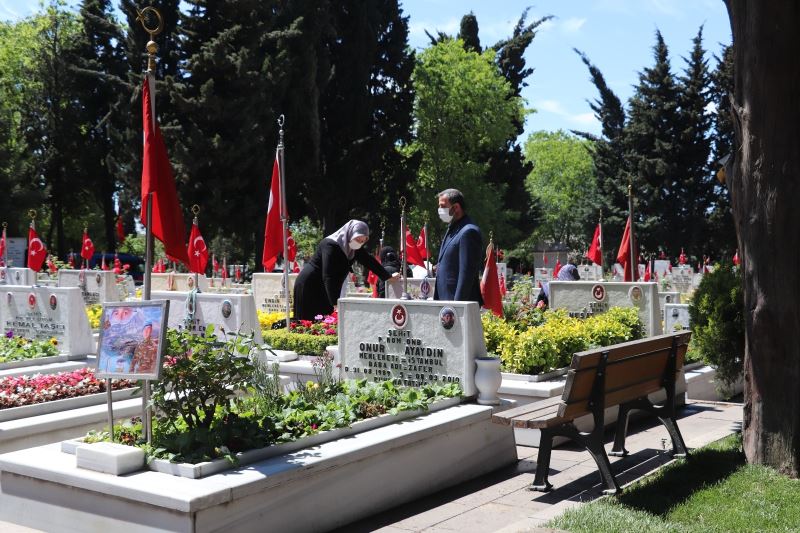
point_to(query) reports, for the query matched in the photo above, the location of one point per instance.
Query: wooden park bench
(620, 375)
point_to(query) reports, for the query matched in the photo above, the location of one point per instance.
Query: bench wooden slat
(574, 410)
(619, 374)
(590, 358)
(545, 417)
(504, 417)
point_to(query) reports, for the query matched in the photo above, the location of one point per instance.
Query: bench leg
(540, 482)
(621, 432)
(678, 446)
(598, 452)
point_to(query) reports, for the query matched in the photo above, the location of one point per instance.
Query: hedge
(302, 343)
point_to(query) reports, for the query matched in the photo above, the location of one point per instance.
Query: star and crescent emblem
(34, 241)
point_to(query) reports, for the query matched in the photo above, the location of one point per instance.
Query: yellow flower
(53, 341)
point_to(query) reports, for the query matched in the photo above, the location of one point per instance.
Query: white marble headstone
(590, 272)
(212, 309)
(661, 267)
(97, 286)
(268, 291)
(394, 288)
(670, 297)
(676, 317)
(17, 276)
(681, 278)
(179, 281)
(412, 342)
(47, 312)
(581, 298)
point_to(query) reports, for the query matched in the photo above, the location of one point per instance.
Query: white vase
(487, 380)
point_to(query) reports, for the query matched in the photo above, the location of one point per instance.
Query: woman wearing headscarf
(319, 284)
(391, 262)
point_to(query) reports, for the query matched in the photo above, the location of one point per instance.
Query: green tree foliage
(464, 109)
(694, 183)
(608, 155)
(652, 152)
(563, 181)
(468, 33)
(721, 232)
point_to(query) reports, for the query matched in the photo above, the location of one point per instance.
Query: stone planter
(535, 378)
(701, 384)
(37, 361)
(488, 380)
(199, 470)
(37, 409)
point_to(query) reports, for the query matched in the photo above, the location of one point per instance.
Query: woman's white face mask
(355, 245)
(445, 215)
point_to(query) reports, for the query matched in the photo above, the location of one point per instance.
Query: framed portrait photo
(132, 339)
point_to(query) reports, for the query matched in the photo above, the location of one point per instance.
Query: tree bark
(765, 192)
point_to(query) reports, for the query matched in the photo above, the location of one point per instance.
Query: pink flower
(318, 317)
(330, 331)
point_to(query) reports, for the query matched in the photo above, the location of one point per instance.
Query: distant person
(391, 262)
(569, 272)
(319, 284)
(460, 255)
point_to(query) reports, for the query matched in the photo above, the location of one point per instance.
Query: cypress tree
(721, 233)
(366, 111)
(469, 33)
(693, 181)
(100, 70)
(608, 153)
(652, 151)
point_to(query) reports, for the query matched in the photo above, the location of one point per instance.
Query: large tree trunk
(764, 181)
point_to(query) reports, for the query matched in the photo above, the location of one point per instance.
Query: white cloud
(555, 107)
(7, 12)
(416, 29)
(573, 24)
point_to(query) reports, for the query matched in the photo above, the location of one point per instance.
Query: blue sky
(617, 35)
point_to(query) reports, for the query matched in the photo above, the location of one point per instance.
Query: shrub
(19, 348)
(302, 343)
(717, 321)
(266, 320)
(554, 336)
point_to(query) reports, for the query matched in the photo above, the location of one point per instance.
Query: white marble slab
(47, 312)
(212, 308)
(268, 291)
(582, 298)
(435, 342)
(96, 286)
(176, 282)
(17, 276)
(676, 317)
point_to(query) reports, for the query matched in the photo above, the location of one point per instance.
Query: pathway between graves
(500, 501)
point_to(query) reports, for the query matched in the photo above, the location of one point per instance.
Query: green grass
(711, 491)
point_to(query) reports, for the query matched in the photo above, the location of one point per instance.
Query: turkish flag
(647, 275)
(120, 230)
(682, 258)
(372, 278)
(490, 284)
(198, 251)
(624, 255)
(103, 263)
(157, 179)
(273, 230)
(37, 253)
(3, 248)
(503, 289)
(413, 256)
(735, 256)
(117, 265)
(291, 247)
(423, 252)
(87, 247)
(595, 252)
(556, 268)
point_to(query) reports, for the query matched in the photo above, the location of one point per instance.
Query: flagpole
(5, 249)
(196, 222)
(404, 248)
(634, 259)
(152, 49)
(601, 243)
(284, 220)
(427, 253)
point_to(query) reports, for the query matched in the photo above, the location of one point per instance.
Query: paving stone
(486, 518)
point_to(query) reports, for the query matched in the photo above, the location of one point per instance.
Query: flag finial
(195, 211)
(151, 46)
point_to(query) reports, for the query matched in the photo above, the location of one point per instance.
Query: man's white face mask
(445, 215)
(355, 245)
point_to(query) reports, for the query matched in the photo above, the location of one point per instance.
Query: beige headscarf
(345, 234)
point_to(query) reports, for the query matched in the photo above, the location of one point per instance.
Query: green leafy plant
(302, 343)
(19, 348)
(717, 322)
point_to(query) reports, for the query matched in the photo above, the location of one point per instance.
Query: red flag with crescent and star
(423, 252)
(413, 255)
(87, 247)
(273, 229)
(291, 246)
(490, 284)
(157, 178)
(198, 251)
(120, 230)
(3, 247)
(37, 253)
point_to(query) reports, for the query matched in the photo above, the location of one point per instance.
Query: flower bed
(306, 337)
(531, 341)
(198, 420)
(93, 313)
(18, 391)
(19, 348)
